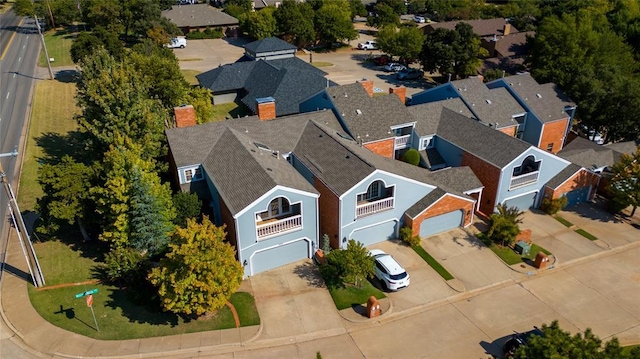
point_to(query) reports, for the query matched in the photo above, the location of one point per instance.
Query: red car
(381, 60)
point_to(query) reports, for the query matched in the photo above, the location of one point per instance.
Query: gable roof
(288, 81)
(563, 175)
(370, 118)
(512, 45)
(547, 101)
(480, 140)
(492, 106)
(427, 115)
(589, 154)
(198, 15)
(269, 44)
(482, 27)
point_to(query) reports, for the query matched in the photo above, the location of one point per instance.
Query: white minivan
(177, 42)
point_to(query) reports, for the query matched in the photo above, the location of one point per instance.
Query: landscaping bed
(347, 296)
(507, 254)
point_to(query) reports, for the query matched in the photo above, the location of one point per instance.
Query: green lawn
(563, 221)
(347, 296)
(586, 234)
(321, 64)
(190, 76)
(232, 110)
(59, 46)
(507, 254)
(433, 263)
(54, 106)
(118, 317)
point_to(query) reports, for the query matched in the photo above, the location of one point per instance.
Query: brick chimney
(266, 107)
(400, 91)
(507, 29)
(185, 116)
(368, 86)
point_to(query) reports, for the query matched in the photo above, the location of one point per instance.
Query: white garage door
(278, 256)
(523, 202)
(375, 234)
(442, 223)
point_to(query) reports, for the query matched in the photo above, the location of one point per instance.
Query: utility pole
(46, 53)
(27, 248)
(53, 24)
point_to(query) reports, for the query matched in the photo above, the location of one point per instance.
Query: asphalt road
(19, 50)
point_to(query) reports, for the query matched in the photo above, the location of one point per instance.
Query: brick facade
(328, 213)
(384, 148)
(553, 134)
(580, 179)
(266, 111)
(446, 204)
(511, 131)
(185, 116)
(400, 91)
(227, 219)
(368, 86)
(489, 175)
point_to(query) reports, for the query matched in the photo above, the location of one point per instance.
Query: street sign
(89, 300)
(84, 294)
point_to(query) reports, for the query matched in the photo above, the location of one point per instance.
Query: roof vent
(488, 101)
(345, 95)
(347, 156)
(269, 169)
(358, 111)
(538, 95)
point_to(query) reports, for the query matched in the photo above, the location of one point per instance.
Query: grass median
(58, 45)
(433, 263)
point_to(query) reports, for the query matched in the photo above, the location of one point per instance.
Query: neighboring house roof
(547, 101)
(456, 179)
(261, 4)
(370, 118)
(482, 28)
(427, 115)
(288, 81)
(480, 140)
(589, 154)
(628, 147)
(513, 45)
(269, 44)
(492, 106)
(425, 202)
(563, 175)
(198, 15)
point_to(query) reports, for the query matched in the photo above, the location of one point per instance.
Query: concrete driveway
(292, 301)
(467, 259)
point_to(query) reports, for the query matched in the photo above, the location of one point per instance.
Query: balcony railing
(279, 226)
(523, 180)
(402, 141)
(370, 208)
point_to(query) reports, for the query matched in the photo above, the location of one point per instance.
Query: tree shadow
(55, 146)
(310, 273)
(67, 76)
(118, 299)
(468, 240)
(594, 211)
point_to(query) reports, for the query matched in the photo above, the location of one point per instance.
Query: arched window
(277, 207)
(529, 164)
(373, 192)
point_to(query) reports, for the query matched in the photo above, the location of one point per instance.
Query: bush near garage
(208, 33)
(553, 206)
(406, 234)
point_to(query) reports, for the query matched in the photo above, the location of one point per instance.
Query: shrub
(326, 244)
(412, 156)
(504, 224)
(406, 234)
(208, 33)
(552, 206)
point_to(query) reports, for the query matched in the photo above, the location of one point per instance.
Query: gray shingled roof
(547, 101)
(588, 154)
(198, 15)
(425, 202)
(491, 106)
(483, 141)
(563, 175)
(427, 115)
(483, 27)
(456, 179)
(512, 45)
(370, 118)
(628, 147)
(269, 44)
(288, 81)
(432, 157)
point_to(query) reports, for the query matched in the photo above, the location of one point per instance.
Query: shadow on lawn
(118, 299)
(55, 146)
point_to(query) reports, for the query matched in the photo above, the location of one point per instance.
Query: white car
(394, 67)
(419, 19)
(177, 42)
(368, 45)
(390, 273)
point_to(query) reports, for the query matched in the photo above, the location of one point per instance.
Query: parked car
(368, 45)
(393, 67)
(176, 42)
(419, 19)
(409, 74)
(591, 135)
(381, 60)
(390, 273)
(517, 340)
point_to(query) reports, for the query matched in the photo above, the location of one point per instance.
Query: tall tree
(625, 181)
(405, 42)
(456, 52)
(295, 22)
(259, 24)
(187, 205)
(200, 273)
(384, 16)
(503, 225)
(333, 22)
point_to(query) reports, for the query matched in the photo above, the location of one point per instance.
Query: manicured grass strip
(232, 110)
(433, 263)
(190, 59)
(190, 76)
(245, 305)
(563, 221)
(507, 254)
(321, 64)
(586, 234)
(347, 296)
(59, 47)
(61, 264)
(54, 106)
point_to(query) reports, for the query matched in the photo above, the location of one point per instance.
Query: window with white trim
(278, 207)
(192, 174)
(372, 194)
(426, 143)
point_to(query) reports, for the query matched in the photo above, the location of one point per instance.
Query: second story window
(192, 174)
(372, 194)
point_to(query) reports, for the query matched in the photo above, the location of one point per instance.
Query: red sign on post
(89, 300)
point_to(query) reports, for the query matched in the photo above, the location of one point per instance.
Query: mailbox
(373, 307)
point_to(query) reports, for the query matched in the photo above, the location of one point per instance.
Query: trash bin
(523, 248)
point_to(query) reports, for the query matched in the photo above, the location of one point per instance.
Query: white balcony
(369, 208)
(270, 228)
(523, 180)
(402, 141)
